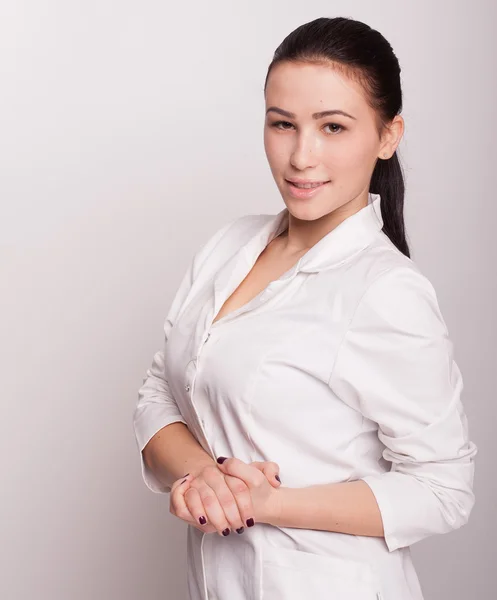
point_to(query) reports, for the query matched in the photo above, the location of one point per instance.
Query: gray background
(129, 132)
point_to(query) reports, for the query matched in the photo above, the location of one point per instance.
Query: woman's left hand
(265, 497)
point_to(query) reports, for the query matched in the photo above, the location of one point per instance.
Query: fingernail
(183, 481)
(221, 459)
(241, 530)
(226, 531)
(186, 475)
(250, 522)
(278, 478)
(202, 520)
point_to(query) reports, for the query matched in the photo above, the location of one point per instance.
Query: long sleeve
(156, 405)
(395, 365)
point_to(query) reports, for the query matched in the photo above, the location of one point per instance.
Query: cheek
(275, 149)
(351, 154)
(267, 143)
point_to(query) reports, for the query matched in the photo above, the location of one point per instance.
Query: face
(340, 149)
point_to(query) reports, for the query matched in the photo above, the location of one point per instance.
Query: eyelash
(277, 123)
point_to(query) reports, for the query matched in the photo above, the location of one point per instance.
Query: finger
(237, 468)
(177, 504)
(200, 522)
(181, 480)
(243, 499)
(271, 473)
(209, 486)
(271, 470)
(227, 502)
(195, 506)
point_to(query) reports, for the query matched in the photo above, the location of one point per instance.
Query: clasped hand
(227, 495)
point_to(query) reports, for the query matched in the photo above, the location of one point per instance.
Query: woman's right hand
(224, 501)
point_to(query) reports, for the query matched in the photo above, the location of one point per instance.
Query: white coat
(341, 369)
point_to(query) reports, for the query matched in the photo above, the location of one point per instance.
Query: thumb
(271, 471)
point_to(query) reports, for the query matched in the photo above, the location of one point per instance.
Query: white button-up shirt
(341, 369)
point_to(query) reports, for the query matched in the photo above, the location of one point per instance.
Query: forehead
(304, 88)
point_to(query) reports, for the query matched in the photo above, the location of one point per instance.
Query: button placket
(199, 422)
(189, 376)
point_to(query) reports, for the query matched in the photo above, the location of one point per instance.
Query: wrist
(276, 507)
(194, 468)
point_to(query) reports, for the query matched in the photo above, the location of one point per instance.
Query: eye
(335, 125)
(279, 124)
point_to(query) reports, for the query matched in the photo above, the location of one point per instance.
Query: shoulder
(382, 266)
(391, 291)
(401, 298)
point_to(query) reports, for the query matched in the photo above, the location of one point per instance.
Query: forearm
(173, 451)
(348, 507)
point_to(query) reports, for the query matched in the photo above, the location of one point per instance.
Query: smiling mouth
(307, 186)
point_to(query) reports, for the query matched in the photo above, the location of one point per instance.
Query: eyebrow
(317, 115)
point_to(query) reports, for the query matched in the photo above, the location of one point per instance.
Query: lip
(300, 180)
(304, 193)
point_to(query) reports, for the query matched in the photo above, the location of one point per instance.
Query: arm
(167, 448)
(166, 466)
(396, 366)
(348, 507)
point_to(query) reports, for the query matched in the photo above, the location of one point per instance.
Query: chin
(306, 210)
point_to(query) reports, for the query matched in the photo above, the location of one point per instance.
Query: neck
(302, 234)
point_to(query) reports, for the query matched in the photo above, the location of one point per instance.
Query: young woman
(308, 344)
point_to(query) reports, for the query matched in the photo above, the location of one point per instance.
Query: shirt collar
(349, 237)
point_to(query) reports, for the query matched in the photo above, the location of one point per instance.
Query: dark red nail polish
(183, 481)
(278, 478)
(241, 530)
(221, 459)
(202, 520)
(250, 522)
(186, 475)
(226, 531)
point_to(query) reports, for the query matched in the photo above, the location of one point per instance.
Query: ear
(391, 138)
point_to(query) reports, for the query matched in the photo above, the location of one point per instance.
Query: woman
(309, 344)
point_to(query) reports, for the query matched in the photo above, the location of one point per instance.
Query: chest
(270, 265)
(270, 357)
(289, 332)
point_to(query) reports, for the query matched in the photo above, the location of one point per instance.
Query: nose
(304, 155)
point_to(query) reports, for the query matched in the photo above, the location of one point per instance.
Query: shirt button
(187, 387)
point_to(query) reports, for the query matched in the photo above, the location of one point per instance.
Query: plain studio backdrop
(129, 132)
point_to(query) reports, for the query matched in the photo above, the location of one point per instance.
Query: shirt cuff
(409, 509)
(144, 431)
